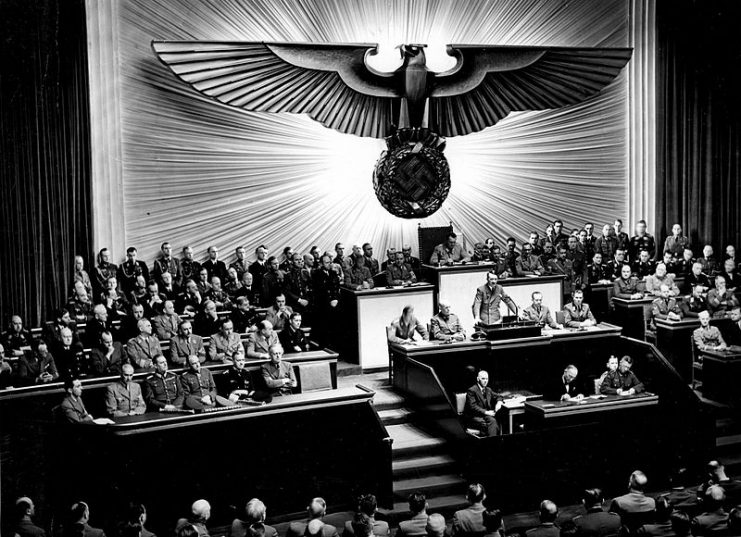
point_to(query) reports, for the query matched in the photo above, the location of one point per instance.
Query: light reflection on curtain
(199, 172)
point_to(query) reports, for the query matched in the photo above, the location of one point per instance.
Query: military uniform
(272, 285)
(73, 410)
(182, 347)
(676, 245)
(166, 326)
(224, 348)
(102, 273)
(290, 338)
(357, 275)
(220, 298)
(705, 338)
(606, 245)
(398, 275)
(189, 270)
(237, 379)
(719, 304)
(198, 385)
(641, 269)
(654, 283)
(163, 390)
(614, 380)
(243, 320)
(565, 268)
(693, 306)
(258, 344)
(128, 273)
(241, 267)
(415, 265)
(573, 316)
(642, 242)
(526, 265)
(142, 351)
(486, 304)
(443, 328)
(597, 523)
(166, 264)
(614, 269)
(13, 340)
(297, 286)
(442, 254)
(399, 331)
(595, 273)
(661, 307)
(122, 398)
(622, 288)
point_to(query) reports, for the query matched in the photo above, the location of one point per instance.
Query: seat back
(315, 377)
(560, 317)
(460, 402)
(429, 237)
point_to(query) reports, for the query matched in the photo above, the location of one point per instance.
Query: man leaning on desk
(486, 304)
(448, 252)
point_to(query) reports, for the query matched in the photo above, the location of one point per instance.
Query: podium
(510, 328)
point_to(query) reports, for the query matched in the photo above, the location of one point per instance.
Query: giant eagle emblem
(413, 108)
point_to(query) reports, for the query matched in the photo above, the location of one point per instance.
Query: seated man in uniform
(659, 278)
(482, 406)
(244, 315)
(695, 278)
(445, 326)
(696, 303)
(238, 384)
(569, 387)
(199, 388)
(643, 266)
(185, 344)
(733, 335)
(448, 252)
(634, 507)
(166, 323)
(486, 304)
(316, 510)
(399, 273)
(596, 522)
(708, 338)
(255, 511)
(402, 330)
(714, 519)
(539, 313)
(357, 276)
(292, 338)
(278, 375)
(620, 381)
(162, 389)
(260, 341)
(577, 314)
(721, 299)
(627, 286)
(225, 344)
(142, 349)
(124, 398)
(665, 306)
(16, 339)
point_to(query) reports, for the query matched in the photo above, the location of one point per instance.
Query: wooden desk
(674, 340)
(458, 284)
(721, 376)
(370, 311)
(291, 449)
(559, 409)
(599, 298)
(632, 315)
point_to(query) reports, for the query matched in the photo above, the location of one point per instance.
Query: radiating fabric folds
(198, 172)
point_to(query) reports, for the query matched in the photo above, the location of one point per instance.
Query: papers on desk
(103, 421)
(515, 402)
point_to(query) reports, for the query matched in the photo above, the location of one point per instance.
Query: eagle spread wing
(487, 83)
(334, 84)
(330, 83)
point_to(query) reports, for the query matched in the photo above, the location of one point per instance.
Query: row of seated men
(194, 389)
(709, 509)
(59, 352)
(484, 409)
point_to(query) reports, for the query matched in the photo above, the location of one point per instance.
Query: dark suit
(710, 524)
(241, 529)
(100, 364)
(597, 523)
(414, 527)
(559, 389)
(215, 268)
(662, 529)
(635, 509)
(83, 530)
(547, 529)
(26, 528)
(478, 402)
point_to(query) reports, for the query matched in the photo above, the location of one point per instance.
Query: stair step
(727, 426)
(410, 440)
(730, 440)
(395, 416)
(432, 485)
(386, 399)
(422, 466)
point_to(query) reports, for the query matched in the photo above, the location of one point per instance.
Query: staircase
(421, 462)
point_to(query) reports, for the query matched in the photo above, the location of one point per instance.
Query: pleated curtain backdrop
(45, 209)
(196, 172)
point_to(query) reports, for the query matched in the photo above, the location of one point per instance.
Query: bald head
(201, 509)
(548, 511)
(638, 481)
(317, 508)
